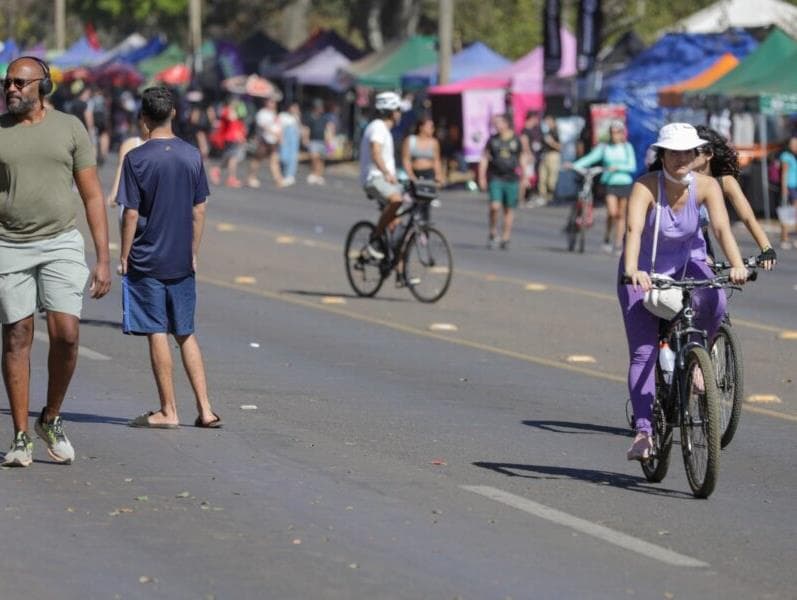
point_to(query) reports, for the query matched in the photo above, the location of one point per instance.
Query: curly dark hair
(724, 158)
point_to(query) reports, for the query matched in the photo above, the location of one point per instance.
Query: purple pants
(642, 331)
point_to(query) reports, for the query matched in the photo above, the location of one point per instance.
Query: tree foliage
(511, 27)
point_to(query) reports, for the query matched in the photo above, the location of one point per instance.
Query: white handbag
(668, 302)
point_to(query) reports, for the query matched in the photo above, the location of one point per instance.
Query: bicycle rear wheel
(428, 264)
(700, 427)
(572, 228)
(655, 469)
(726, 356)
(364, 273)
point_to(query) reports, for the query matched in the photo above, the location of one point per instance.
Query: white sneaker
(373, 252)
(288, 181)
(58, 445)
(21, 452)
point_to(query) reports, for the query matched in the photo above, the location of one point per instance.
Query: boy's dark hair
(157, 104)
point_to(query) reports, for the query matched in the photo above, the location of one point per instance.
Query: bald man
(42, 259)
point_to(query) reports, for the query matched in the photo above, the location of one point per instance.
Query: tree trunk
(294, 18)
(374, 26)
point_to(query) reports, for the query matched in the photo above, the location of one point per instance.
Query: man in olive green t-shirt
(42, 262)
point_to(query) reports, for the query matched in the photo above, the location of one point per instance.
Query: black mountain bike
(690, 399)
(726, 355)
(414, 248)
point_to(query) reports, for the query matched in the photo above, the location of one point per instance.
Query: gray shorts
(379, 189)
(318, 147)
(48, 274)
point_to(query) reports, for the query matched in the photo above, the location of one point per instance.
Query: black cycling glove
(768, 254)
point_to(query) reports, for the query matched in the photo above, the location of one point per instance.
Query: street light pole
(445, 35)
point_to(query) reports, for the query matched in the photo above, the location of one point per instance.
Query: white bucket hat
(679, 136)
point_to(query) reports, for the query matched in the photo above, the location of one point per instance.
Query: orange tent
(672, 95)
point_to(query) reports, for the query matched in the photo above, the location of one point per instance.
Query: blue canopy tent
(476, 59)
(8, 51)
(674, 58)
(78, 54)
(152, 47)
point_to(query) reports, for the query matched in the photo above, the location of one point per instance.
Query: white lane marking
(765, 399)
(81, 350)
(587, 527)
(580, 358)
(443, 327)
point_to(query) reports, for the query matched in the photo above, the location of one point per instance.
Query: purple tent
(476, 59)
(78, 54)
(320, 69)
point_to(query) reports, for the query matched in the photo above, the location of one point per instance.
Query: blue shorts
(151, 305)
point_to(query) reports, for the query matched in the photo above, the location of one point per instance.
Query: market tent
(524, 75)
(8, 51)
(747, 14)
(319, 41)
(259, 51)
(476, 59)
(319, 70)
(171, 56)
(79, 53)
(416, 51)
(132, 42)
(623, 51)
(672, 95)
(671, 59)
(524, 79)
(763, 63)
(149, 49)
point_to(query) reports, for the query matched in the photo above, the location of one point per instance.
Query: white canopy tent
(726, 14)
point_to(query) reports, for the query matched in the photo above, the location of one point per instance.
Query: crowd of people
(667, 214)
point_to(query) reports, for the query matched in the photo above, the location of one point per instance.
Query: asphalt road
(385, 459)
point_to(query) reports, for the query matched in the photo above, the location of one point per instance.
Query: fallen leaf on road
(142, 498)
(439, 461)
(70, 509)
(128, 479)
(183, 495)
(248, 407)
(353, 565)
(297, 541)
(145, 579)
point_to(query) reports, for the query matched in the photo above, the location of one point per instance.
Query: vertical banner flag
(551, 40)
(590, 20)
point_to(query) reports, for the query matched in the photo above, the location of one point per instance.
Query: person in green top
(42, 262)
(619, 165)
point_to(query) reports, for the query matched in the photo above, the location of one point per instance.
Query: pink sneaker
(641, 448)
(215, 175)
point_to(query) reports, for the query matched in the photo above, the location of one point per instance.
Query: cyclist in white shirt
(378, 165)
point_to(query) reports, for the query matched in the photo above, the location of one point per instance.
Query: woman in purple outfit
(680, 193)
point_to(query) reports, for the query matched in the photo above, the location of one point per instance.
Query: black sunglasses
(18, 82)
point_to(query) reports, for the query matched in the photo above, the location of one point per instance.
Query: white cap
(679, 136)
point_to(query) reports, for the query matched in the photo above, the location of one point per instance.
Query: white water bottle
(666, 361)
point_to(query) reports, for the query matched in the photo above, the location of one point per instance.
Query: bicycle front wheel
(726, 356)
(364, 273)
(700, 427)
(428, 264)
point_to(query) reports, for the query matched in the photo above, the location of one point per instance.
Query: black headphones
(46, 83)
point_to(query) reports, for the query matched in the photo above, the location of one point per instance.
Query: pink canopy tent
(523, 78)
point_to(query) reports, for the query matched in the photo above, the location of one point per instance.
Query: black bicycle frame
(678, 332)
(395, 249)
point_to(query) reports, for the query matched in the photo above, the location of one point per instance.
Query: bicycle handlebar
(750, 262)
(720, 281)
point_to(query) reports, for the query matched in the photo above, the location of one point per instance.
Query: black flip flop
(214, 424)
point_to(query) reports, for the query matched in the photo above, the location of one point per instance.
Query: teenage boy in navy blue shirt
(163, 190)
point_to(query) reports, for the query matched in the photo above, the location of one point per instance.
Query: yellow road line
(492, 277)
(537, 360)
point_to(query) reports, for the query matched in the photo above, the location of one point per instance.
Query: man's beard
(22, 106)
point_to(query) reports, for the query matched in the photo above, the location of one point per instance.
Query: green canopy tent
(385, 71)
(169, 57)
(764, 63)
(766, 81)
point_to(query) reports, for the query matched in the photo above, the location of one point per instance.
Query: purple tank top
(678, 234)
